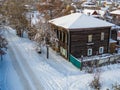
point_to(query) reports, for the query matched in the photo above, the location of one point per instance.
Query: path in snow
(27, 76)
(9, 79)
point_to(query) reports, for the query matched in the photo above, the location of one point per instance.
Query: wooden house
(81, 35)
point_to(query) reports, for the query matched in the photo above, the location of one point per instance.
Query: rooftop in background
(89, 4)
(78, 20)
(117, 12)
(92, 11)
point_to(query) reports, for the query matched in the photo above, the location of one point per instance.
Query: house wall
(62, 43)
(79, 41)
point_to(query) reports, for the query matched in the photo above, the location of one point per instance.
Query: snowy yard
(24, 69)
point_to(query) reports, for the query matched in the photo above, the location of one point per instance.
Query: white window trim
(89, 54)
(101, 51)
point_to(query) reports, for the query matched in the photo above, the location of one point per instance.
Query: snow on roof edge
(79, 21)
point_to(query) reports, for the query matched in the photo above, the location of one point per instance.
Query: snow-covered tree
(15, 12)
(3, 44)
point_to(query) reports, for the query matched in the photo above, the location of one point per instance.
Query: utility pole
(47, 51)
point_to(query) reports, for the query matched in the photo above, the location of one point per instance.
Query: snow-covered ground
(24, 69)
(9, 79)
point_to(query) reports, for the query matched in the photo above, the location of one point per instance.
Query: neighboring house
(94, 13)
(89, 5)
(106, 3)
(81, 35)
(116, 16)
(115, 35)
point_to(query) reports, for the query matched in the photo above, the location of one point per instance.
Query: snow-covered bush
(116, 86)
(3, 45)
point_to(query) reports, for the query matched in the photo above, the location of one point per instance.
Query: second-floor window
(102, 35)
(89, 38)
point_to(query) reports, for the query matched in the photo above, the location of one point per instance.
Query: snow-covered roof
(78, 20)
(112, 41)
(90, 11)
(116, 12)
(88, 4)
(86, 11)
(115, 27)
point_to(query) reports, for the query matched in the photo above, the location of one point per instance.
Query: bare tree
(116, 86)
(15, 12)
(54, 8)
(51, 9)
(95, 84)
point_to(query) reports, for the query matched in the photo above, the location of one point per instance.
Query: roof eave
(79, 29)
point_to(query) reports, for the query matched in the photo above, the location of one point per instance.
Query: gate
(75, 61)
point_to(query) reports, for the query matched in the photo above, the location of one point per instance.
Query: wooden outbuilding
(81, 35)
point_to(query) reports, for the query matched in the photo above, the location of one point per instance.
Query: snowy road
(27, 76)
(32, 71)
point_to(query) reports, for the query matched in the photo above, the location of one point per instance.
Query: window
(102, 35)
(59, 35)
(66, 39)
(89, 52)
(89, 38)
(63, 37)
(101, 50)
(55, 32)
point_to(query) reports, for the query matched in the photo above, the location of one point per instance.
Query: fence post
(81, 62)
(47, 51)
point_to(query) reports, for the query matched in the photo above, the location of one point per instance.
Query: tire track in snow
(19, 71)
(37, 85)
(3, 83)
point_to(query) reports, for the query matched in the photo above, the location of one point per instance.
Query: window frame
(101, 51)
(91, 51)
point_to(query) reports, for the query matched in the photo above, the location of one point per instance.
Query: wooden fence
(102, 60)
